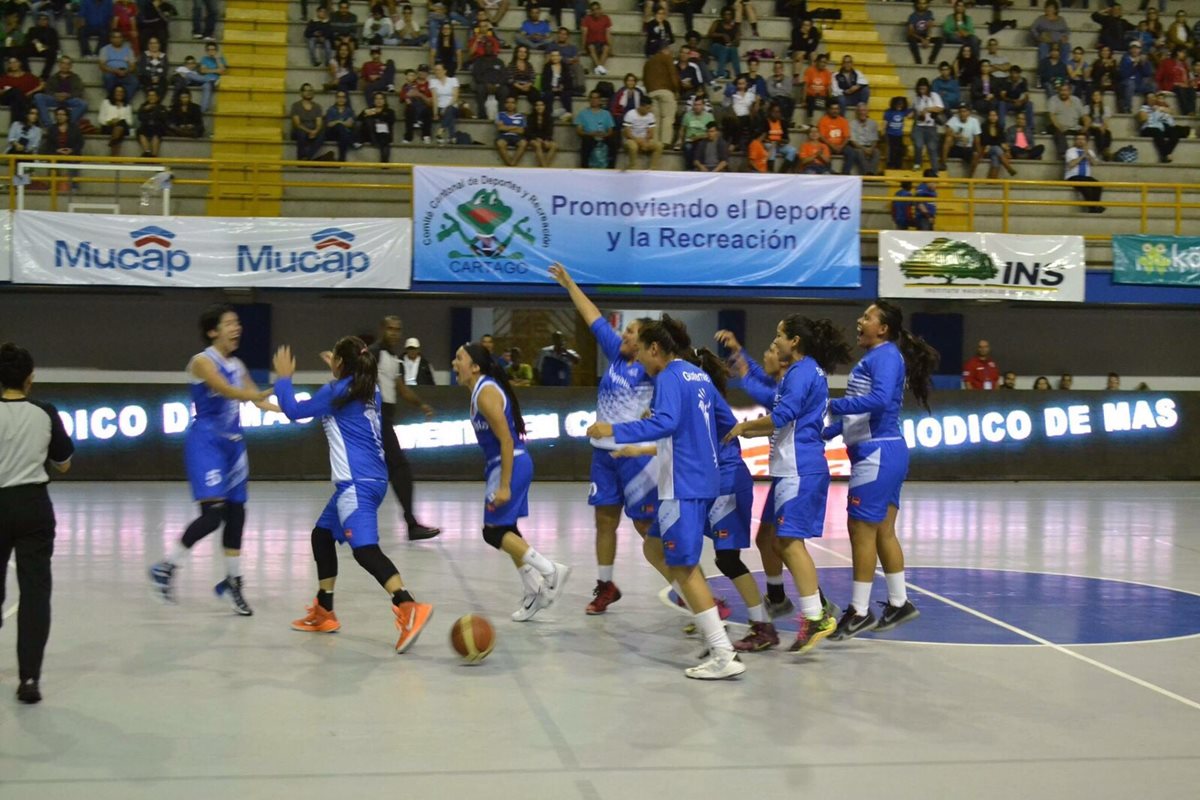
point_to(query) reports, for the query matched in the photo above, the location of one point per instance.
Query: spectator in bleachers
(212, 66)
(711, 153)
(1048, 29)
(1113, 382)
(850, 87)
(308, 124)
(1156, 122)
(510, 132)
(1142, 34)
(911, 214)
(814, 157)
(1178, 32)
(862, 153)
(154, 20)
(1000, 62)
(922, 32)
(95, 22)
(966, 68)
(1009, 382)
(946, 86)
(12, 37)
(1065, 382)
(818, 86)
(834, 130)
(1041, 384)
(994, 142)
(985, 91)
(377, 126)
(694, 129)
(1021, 144)
(597, 37)
(628, 98)
(446, 48)
(958, 28)
(341, 125)
(657, 32)
(493, 10)
(570, 58)
(1106, 71)
(745, 105)
(535, 31)
(417, 99)
(151, 124)
(116, 118)
(41, 41)
(25, 135)
(153, 68)
(1065, 117)
(557, 84)
(377, 76)
(185, 118)
(519, 77)
(693, 77)
(63, 88)
(1078, 72)
(1173, 75)
(18, 88)
(124, 19)
(1080, 167)
(487, 70)
(63, 138)
(117, 64)
(1014, 94)
(661, 79)
(640, 130)
(555, 362)
(980, 372)
(378, 29)
(343, 77)
(539, 133)
(963, 140)
(343, 22)
(318, 35)
(1136, 75)
(725, 37)
(1153, 22)
(445, 90)
(595, 126)
(928, 106)
(1097, 124)
(779, 91)
(1115, 30)
(893, 125)
(519, 374)
(1052, 72)
(806, 42)
(406, 31)
(204, 19)
(755, 80)
(744, 11)
(780, 151)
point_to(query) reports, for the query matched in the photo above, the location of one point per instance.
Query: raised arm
(203, 368)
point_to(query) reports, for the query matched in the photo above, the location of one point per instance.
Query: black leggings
(27, 528)
(399, 473)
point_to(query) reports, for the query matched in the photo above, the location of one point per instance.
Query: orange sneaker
(410, 621)
(318, 620)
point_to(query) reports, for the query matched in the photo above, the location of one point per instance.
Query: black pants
(399, 473)
(1165, 140)
(27, 528)
(1089, 193)
(587, 144)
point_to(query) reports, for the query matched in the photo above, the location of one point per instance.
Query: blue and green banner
(478, 226)
(1171, 260)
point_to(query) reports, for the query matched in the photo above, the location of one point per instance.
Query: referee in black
(31, 434)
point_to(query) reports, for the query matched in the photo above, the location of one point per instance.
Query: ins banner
(211, 252)
(479, 226)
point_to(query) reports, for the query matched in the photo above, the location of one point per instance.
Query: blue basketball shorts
(877, 472)
(628, 482)
(681, 525)
(729, 519)
(353, 512)
(217, 467)
(518, 504)
(800, 505)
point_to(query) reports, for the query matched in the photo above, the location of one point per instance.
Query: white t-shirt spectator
(443, 90)
(640, 124)
(922, 105)
(742, 103)
(1084, 168)
(964, 131)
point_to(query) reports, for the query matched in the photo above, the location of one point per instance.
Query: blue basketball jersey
(351, 426)
(218, 414)
(483, 431)
(874, 394)
(625, 390)
(799, 416)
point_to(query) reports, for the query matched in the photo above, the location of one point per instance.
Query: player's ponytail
(670, 334)
(358, 364)
(920, 358)
(712, 364)
(820, 340)
(490, 368)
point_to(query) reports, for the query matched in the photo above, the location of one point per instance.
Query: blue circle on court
(1061, 609)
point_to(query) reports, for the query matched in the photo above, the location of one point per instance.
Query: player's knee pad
(235, 521)
(731, 565)
(372, 559)
(494, 534)
(324, 553)
(212, 514)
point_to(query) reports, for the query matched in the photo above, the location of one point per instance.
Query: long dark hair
(489, 368)
(714, 365)
(358, 364)
(820, 339)
(920, 359)
(669, 334)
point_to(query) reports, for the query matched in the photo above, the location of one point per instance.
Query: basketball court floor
(1057, 656)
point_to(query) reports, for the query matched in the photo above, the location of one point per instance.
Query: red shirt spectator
(1172, 72)
(595, 28)
(981, 371)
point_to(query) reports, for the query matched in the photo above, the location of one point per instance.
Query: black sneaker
(418, 532)
(783, 608)
(160, 576)
(28, 692)
(851, 625)
(233, 587)
(828, 606)
(895, 616)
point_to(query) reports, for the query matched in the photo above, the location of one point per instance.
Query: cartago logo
(332, 251)
(151, 252)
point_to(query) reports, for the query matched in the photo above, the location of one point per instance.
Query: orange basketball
(472, 637)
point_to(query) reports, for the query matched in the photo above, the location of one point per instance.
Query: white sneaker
(529, 607)
(724, 664)
(600, 70)
(552, 588)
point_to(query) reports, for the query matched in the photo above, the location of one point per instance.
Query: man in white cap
(417, 371)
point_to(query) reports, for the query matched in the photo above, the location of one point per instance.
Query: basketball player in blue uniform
(683, 424)
(508, 473)
(350, 413)
(868, 419)
(629, 482)
(215, 453)
(798, 465)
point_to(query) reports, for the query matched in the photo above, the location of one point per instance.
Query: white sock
(679, 593)
(897, 592)
(538, 561)
(606, 573)
(810, 606)
(860, 598)
(178, 554)
(775, 580)
(756, 613)
(529, 578)
(709, 623)
(233, 566)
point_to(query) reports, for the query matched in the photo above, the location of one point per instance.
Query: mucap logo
(152, 234)
(333, 237)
